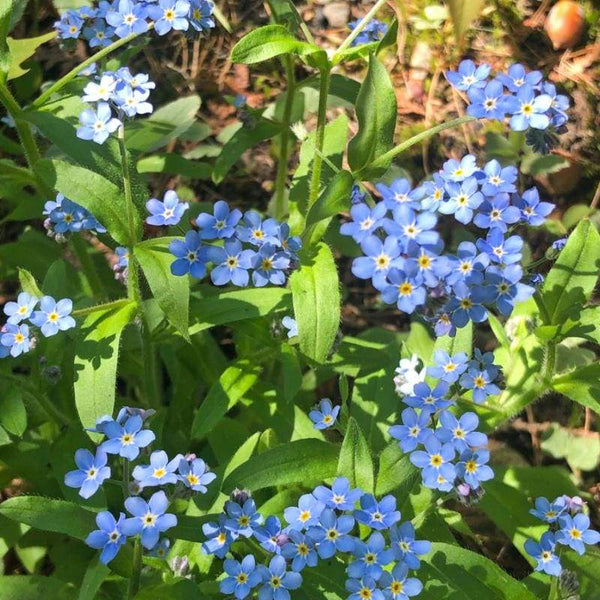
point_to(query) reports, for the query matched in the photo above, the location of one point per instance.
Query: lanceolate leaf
(461, 342)
(355, 462)
(573, 277)
(463, 13)
(581, 385)
(34, 587)
(96, 358)
(172, 292)
(396, 472)
(376, 113)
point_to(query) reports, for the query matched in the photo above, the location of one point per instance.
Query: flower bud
(240, 496)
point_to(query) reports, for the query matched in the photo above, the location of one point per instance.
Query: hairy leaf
(355, 462)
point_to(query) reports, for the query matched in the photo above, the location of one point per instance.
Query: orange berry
(565, 24)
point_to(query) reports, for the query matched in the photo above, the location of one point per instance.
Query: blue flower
(21, 309)
(468, 75)
(575, 532)
(69, 26)
(128, 17)
(547, 511)
(379, 258)
(399, 193)
(53, 316)
(132, 102)
(497, 212)
(504, 251)
(435, 461)
(413, 431)
(99, 34)
(340, 496)
(127, 439)
(190, 255)
(429, 399)
(363, 588)
(161, 549)
(455, 171)
(517, 77)
(290, 243)
(271, 537)
(169, 14)
(221, 224)
(140, 82)
(481, 382)
(160, 471)
(463, 199)
(290, 324)
(123, 257)
(150, 519)
(536, 280)
(97, 124)
(405, 288)
(109, 536)
(65, 215)
(498, 179)
(167, 212)
(300, 549)
(371, 557)
(406, 548)
(16, 337)
(364, 221)
(460, 432)
(331, 534)
(488, 103)
(90, 474)
(433, 192)
(409, 226)
(269, 264)
(195, 474)
(251, 230)
(325, 416)
(469, 265)
(201, 15)
(533, 212)
(430, 266)
(219, 537)
(473, 467)
(443, 324)
(242, 577)
(529, 110)
(89, 70)
(306, 514)
(507, 287)
(103, 91)
(372, 32)
(466, 304)
(397, 585)
(547, 560)
(559, 244)
(277, 580)
(448, 368)
(375, 514)
(357, 196)
(232, 263)
(558, 108)
(242, 519)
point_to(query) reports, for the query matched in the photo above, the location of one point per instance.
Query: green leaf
(34, 587)
(355, 462)
(291, 373)
(176, 589)
(96, 357)
(461, 342)
(454, 572)
(95, 574)
(228, 307)
(303, 461)
(235, 381)
(174, 165)
(572, 279)
(537, 165)
(580, 451)
(243, 139)
(164, 125)
(29, 284)
(104, 199)
(267, 42)
(21, 50)
(463, 13)
(376, 111)
(581, 385)
(396, 472)
(316, 297)
(171, 292)
(6, 8)
(13, 416)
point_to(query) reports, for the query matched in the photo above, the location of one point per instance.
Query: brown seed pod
(565, 24)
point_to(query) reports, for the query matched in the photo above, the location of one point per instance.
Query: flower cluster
(454, 454)
(120, 91)
(101, 26)
(530, 103)
(404, 255)
(126, 437)
(318, 528)
(373, 31)
(568, 526)
(249, 243)
(52, 317)
(63, 216)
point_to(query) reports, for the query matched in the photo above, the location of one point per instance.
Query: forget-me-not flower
(53, 316)
(150, 519)
(397, 585)
(90, 474)
(97, 124)
(435, 460)
(473, 467)
(127, 439)
(448, 368)
(306, 514)
(195, 474)
(575, 532)
(278, 580)
(413, 431)
(406, 548)
(376, 514)
(300, 549)
(166, 212)
(160, 471)
(21, 309)
(533, 211)
(127, 17)
(269, 265)
(241, 578)
(340, 496)
(190, 256)
(549, 511)
(399, 193)
(109, 536)
(232, 263)
(460, 432)
(219, 538)
(371, 557)
(547, 561)
(242, 519)
(365, 221)
(169, 14)
(468, 76)
(325, 415)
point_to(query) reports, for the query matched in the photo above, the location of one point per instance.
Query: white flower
(408, 375)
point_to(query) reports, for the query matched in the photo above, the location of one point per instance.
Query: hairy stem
(357, 30)
(87, 265)
(136, 569)
(317, 165)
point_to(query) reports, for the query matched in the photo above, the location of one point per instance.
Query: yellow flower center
(575, 534)
(424, 261)
(471, 466)
(149, 520)
(169, 14)
(158, 473)
(192, 479)
(365, 593)
(127, 439)
(436, 460)
(396, 587)
(275, 582)
(466, 303)
(242, 578)
(267, 264)
(304, 516)
(19, 337)
(405, 289)
(302, 549)
(479, 381)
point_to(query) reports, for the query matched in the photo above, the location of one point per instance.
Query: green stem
(317, 165)
(282, 167)
(136, 570)
(549, 361)
(58, 85)
(416, 139)
(357, 30)
(126, 478)
(554, 589)
(88, 266)
(129, 208)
